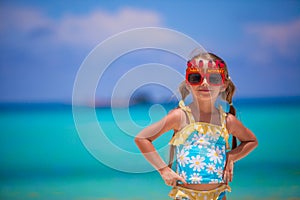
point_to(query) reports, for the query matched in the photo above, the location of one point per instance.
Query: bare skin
(204, 97)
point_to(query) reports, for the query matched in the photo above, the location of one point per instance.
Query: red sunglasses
(213, 76)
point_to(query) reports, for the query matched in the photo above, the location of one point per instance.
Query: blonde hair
(184, 92)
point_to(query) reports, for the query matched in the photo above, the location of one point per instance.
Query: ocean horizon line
(123, 103)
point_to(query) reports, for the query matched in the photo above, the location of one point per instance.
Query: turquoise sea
(42, 155)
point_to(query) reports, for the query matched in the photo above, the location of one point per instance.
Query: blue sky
(43, 43)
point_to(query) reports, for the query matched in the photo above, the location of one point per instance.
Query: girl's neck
(205, 107)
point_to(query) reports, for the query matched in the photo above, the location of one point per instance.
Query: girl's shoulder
(178, 117)
(229, 116)
(232, 123)
(177, 114)
(230, 119)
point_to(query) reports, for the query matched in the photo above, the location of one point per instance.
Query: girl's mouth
(203, 90)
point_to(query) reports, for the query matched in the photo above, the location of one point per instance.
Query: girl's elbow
(255, 143)
(139, 140)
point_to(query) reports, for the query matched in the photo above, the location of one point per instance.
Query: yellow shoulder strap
(222, 117)
(187, 110)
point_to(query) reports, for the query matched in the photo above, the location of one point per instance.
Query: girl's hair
(226, 95)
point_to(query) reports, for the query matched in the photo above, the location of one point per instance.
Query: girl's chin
(205, 95)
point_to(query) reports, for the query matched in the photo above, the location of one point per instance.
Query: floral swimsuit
(201, 149)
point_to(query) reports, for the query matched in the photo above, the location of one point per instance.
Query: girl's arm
(144, 141)
(248, 143)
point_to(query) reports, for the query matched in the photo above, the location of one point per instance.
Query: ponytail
(183, 90)
(229, 92)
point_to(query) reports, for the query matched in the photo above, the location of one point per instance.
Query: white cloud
(282, 38)
(100, 24)
(71, 29)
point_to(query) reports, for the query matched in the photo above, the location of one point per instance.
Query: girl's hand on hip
(228, 171)
(170, 177)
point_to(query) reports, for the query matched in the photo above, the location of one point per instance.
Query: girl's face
(205, 79)
(205, 91)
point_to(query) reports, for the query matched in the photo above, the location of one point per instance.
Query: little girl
(201, 132)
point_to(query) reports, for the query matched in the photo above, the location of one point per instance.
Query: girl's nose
(204, 82)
